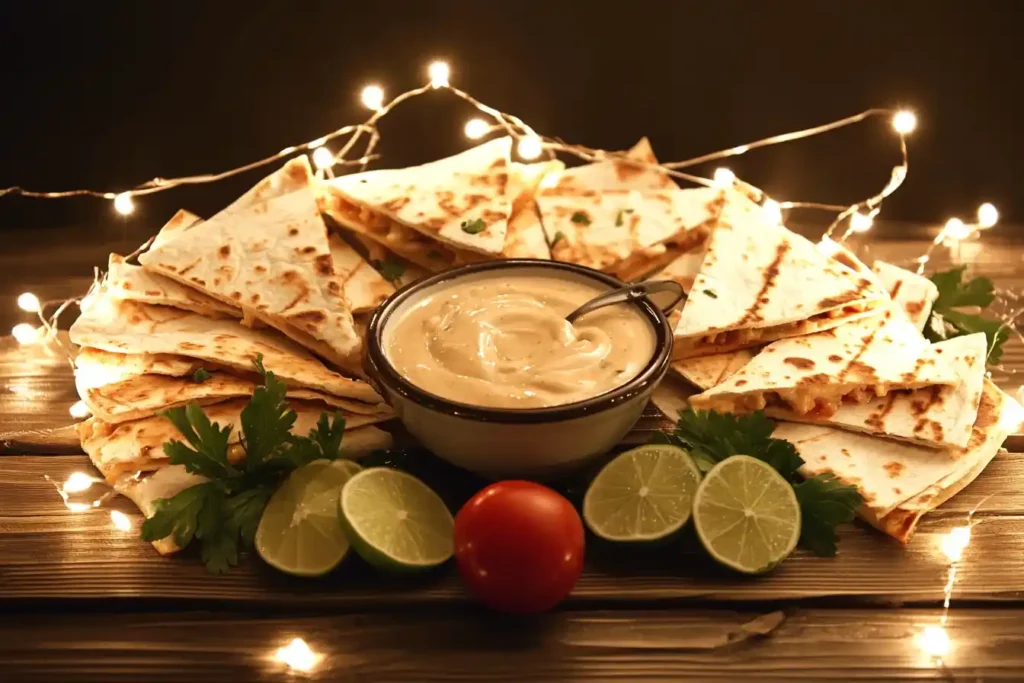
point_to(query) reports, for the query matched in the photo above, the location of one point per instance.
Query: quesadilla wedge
(914, 294)
(267, 254)
(815, 375)
(901, 482)
(137, 446)
(143, 486)
(940, 416)
(127, 281)
(424, 213)
(759, 282)
(134, 398)
(708, 372)
(616, 173)
(525, 237)
(129, 327)
(364, 288)
(393, 268)
(95, 367)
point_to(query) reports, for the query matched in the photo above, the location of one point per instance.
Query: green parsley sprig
(223, 512)
(948, 320)
(711, 437)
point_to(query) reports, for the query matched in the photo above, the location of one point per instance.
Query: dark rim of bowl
(380, 368)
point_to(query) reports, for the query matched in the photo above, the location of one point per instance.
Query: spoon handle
(629, 293)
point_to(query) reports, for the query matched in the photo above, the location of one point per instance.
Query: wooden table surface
(82, 601)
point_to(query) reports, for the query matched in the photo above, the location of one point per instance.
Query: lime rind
(298, 532)
(746, 515)
(644, 495)
(396, 522)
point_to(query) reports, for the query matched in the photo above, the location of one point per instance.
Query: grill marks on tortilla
(800, 363)
(771, 274)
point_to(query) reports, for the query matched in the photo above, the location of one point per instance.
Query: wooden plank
(47, 552)
(461, 645)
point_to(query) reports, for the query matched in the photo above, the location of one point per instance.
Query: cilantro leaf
(557, 238)
(580, 218)
(618, 218)
(947, 322)
(711, 293)
(200, 376)
(473, 227)
(266, 421)
(825, 503)
(391, 269)
(177, 516)
(210, 441)
(327, 435)
(712, 437)
(243, 511)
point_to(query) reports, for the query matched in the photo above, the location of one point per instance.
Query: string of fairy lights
(857, 218)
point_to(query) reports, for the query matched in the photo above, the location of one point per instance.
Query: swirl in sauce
(502, 341)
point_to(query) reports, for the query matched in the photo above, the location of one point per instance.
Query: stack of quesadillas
(260, 279)
(811, 336)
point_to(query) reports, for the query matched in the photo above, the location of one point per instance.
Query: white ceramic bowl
(536, 443)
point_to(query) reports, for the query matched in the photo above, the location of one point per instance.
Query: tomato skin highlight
(519, 546)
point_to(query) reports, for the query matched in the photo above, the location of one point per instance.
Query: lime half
(298, 532)
(644, 494)
(746, 515)
(395, 521)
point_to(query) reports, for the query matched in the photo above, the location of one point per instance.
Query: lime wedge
(395, 521)
(746, 515)
(644, 494)
(298, 532)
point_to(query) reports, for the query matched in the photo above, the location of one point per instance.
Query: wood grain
(49, 553)
(469, 645)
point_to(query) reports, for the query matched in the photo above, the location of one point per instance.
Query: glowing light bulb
(771, 210)
(297, 656)
(955, 229)
(860, 222)
(78, 482)
(121, 521)
(79, 410)
(955, 542)
(530, 147)
(28, 302)
(323, 157)
(934, 641)
(123, 203)
(78, 507)
(372, 97)
(987, 217)
(439, 73)
(904, 122)
(25, 333)
(476, 129)
(724, 177)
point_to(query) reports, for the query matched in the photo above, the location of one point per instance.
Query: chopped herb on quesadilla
(711, 437)
(223, 513)
(200, 375)
(557, 238)
(948, 320)
(580, 218)
(391, 269)
(711, 293)
(473, 227)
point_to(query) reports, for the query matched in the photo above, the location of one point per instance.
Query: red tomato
(519, 546)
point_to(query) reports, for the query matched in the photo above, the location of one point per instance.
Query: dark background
(106, 95)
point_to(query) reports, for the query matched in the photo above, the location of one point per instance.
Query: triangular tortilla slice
(615, 174)
(127, 281)
(759, 282)
(936, 417)
(913, 293)
(96, 367)
(525, 237)
(683, 269)
(268, 255)
(460, 201)
(853, 363)
(364, 287)
(134, 398)
(901, 482)
(711, 371)
(128, 327)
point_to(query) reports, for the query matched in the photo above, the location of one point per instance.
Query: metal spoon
(637, 290)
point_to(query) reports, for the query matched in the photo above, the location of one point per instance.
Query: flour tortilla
(615, 174)
(683, 269)
(96, 368)
(377, 256)
(525, 237)
(913, 293)
(134, 398)
(759, 282)
(127, 281)
(812, 373)
(267, 254)
(129, 327)
(708, 372)
(901, 482)
(137, 446)
(437, 199)
(936, 417)
(364, 287)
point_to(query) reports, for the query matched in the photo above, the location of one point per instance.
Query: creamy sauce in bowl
(500, 340)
